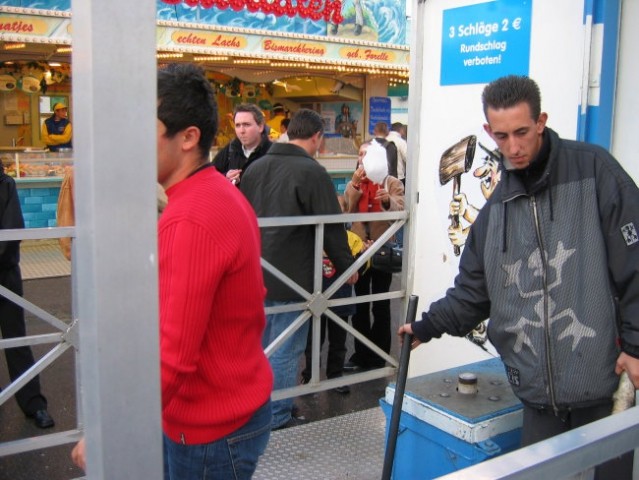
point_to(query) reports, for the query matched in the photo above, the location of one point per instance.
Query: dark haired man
(216, 380)
(286, 182)
(251, 142)
(552, 259)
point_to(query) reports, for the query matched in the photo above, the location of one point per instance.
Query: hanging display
(329, 10)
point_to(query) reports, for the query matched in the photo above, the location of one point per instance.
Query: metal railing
(318, 302)
(64, 337)
(313, 306)
(573, 452)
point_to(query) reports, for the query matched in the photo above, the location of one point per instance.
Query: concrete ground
(58, 385)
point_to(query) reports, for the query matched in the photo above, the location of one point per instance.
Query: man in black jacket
(252, 142)
(19, 359)
(288, 181)
(552, 259)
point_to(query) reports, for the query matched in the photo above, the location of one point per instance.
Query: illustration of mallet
(454, 161)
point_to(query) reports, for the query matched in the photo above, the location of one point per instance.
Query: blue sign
(485, 41)
(379, 111)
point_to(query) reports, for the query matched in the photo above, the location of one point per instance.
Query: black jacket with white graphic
(554, 263)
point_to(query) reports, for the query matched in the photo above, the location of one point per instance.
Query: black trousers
(542, 424)
(336, 348)
(19, 359)
(377, 328)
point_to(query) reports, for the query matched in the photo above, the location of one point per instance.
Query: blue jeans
(399, 236)
(232, 457)
(286, 359)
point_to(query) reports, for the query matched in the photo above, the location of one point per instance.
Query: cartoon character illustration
(359, 19)
(345, 125)
(489, 174)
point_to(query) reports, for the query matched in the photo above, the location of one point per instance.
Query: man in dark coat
(19, 359)
(288, 181)
(252, 142)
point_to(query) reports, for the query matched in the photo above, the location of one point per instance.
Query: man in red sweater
(216, 380)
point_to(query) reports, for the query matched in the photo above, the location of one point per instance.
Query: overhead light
(14, 46)
(250, 61)
(209, 58)
(289, 64)
(169, 55)
(63, 50)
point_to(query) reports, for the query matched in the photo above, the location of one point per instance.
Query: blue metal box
(442, 430)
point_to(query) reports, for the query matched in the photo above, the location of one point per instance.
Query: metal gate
(318, 302)
(65, 337)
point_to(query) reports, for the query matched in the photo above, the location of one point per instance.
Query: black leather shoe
(42, 419)
(344, 389)
(352, 367)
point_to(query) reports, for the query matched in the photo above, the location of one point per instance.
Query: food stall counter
(38, 175)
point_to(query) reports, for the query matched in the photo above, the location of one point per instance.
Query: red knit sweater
(214, 372)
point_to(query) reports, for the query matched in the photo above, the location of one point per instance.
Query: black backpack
(391, 155)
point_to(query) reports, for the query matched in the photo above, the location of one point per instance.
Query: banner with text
(485, 41)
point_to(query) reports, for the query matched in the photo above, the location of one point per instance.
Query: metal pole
(400, 385)
(114, 138)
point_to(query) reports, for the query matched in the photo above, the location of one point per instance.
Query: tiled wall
(39, 206)
(340, 168)
(340, 184)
